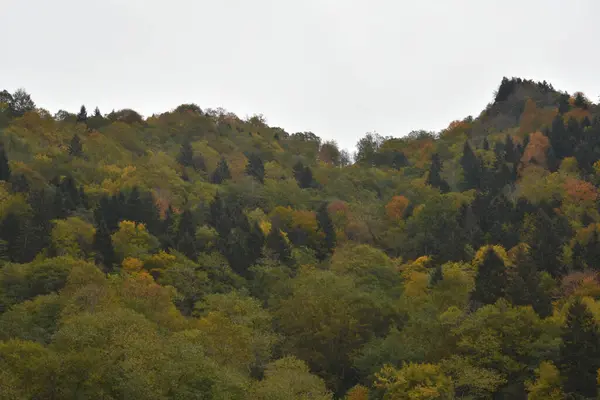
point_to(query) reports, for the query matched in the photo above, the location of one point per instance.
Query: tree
(221, 173)
(579, 358)
(75, 146)
(303, 175)
(434, 178)
(4, 167)
(491, 279)
(103, 246)
(277, 243)
(415, 382)
(326, 227)
(82, 116)
(21, 103)
(186, 154)
(472, 168)
(525, 287)
(255, 167)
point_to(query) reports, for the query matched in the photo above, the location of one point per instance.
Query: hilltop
(196, 254)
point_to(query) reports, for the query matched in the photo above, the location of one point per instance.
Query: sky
(338, 68)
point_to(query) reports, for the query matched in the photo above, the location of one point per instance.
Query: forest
(195, 254)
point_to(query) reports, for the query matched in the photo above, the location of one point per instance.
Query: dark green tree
(10, 232)
(434, 177)
(82, 116)
(579, 358)
(326, 226)
(221, 173)
(75, 146)
(255, 167)
(278, 245)
(510, 152)
(103, 246)
(4, 167)
(21, 103)
(436, 276)
(525, 286)
(303, 175)
(186, 154)
(472, 168)
(491, 280)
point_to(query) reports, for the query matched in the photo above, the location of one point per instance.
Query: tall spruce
(434, 177)
(4, 167)
(255, 167)
(103, 246)
(525, 287)
(579, 357)
(82, 116)
(325, 225)
(186, 154)
(75, 146)
(471, 168)
(303, 175)
(491, 280)
(221, 173)
(276, 242)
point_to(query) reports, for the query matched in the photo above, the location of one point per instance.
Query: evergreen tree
(4, 167)
(278, 245)
(579, 358)
(105, 252)
(10, 233)
(434, 178)
(580, 101)
(221, 173)
(37, 229)
(525, 287)
(97, 113)
(82, 116)
(20, 183)
(133, 210)
(255, 168)
(303, 175)
(326, 226)
(472, 168)
(491, 279)
(186, 154)
(75, 146)
(510, 152)
(486, 144)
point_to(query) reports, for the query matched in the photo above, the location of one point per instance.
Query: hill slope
(194, 254)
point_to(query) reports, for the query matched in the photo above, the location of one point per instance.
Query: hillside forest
(198, 255)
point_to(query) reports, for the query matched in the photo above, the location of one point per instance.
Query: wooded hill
(198, 255)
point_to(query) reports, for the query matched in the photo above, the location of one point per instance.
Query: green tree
(221, 173)
(5, 171)
(579, 358)
(491, 280)
(103, 246)
(75, 146)
(82, 116)
(186, 154)
(472, 169)
(434, 177)
(326, 226)
(255, 167)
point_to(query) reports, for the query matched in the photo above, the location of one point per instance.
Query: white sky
(338, 68)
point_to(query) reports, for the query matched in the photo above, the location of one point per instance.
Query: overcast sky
(338, 68)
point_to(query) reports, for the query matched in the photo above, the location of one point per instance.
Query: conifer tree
(278, 245)
(255, 168)
(75, 146)
(326, 226)
(82, 116)
(579, 358)
(186, 154)
(221, 173)
(510, 152)
(4, 167)
(491, 279)
(303, 175)
(525, 285)
(434, 178)
(103, 246)
(471, 168)
(437, 275)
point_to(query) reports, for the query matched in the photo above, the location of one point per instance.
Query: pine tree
(10, 232)
(82, 116)
(278, 245)
(326, 226)
(102, 245)
(75, 146)
(472, 169)
(525, 285)
(186, 154)
(510, 152)
(579, 358)
(434, 178)
(486, 144)
(4, 167)
(255, 168)
(20, 183)
(303, 175)
(491, 280)
(221, 173)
